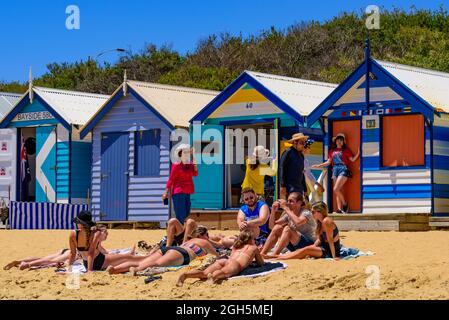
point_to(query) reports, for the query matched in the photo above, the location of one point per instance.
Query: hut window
(147, 158)
(403, 143)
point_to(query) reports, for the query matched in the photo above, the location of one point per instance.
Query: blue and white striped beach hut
(399, 116)
(131, 148)
(47, 122)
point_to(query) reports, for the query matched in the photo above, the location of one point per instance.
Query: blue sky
(34, 32)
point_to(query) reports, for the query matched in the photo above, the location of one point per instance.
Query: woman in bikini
(198, 246)
(327, 244)
(86, 241)
(243, 253)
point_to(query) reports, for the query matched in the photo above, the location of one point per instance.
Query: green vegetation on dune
(326, 51)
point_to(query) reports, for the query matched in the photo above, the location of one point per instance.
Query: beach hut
(399, 117)
(274, 107)
(131, 148)
(7, 146)
(56, 165)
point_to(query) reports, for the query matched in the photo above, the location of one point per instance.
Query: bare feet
(24, 265)
(110, 270)
(12, 264)
(181, 280)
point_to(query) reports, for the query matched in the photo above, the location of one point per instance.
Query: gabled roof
(404, 81)
(302, 95)
(173, 104)
(75, 107)
(296, 97)
(433, 86)
(7, 102)
(69, 107)
(176, 104)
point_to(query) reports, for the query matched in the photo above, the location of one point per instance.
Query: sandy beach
(412, 266)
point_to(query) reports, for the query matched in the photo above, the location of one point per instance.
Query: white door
(8, 164)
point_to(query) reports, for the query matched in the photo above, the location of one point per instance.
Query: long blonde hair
(243, 239)
(321, 207)
(199, 231)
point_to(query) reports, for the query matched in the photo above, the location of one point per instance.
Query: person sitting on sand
(295, 229)
(86, 241)
(54, 259)
(198, 246)
(328, 243)
(254, 214)
(244, 251)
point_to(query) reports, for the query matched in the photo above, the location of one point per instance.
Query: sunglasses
(249, 198)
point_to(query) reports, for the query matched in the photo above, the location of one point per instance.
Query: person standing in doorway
(339, 158)
(292, 167)
(180, 183)
(257, 168)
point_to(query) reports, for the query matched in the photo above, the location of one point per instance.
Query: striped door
(114, 176)
(46, 164)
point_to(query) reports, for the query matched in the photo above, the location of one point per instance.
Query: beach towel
(259, 271)
(352, 253)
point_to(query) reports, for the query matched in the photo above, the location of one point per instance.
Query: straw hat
(339, 135)
(298, 136)
(260, 152)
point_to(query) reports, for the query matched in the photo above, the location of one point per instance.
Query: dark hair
(254, 166)
(248, 190)
(334, 144)
(243, 238)
(298, 197)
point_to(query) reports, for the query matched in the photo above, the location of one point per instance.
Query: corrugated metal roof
(75, 107)
(302, 95)
(7, 102)
(432, 86)
(176, 104)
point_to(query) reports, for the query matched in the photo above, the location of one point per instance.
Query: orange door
(351, 129)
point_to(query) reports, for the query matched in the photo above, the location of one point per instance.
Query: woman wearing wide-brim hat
(257, 168)
(291, 171)
(339, 158)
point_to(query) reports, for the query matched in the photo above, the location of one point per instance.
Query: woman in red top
(340, 157)
(180, 183)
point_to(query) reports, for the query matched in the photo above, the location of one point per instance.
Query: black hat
(84, 218)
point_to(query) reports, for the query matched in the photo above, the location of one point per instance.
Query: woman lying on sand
(327, 244)
(86, 241)
(243, 253)
(51, 260)
(198, 246)
(177, 234)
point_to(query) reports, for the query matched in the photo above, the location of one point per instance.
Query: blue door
(114, 176)
(209, 183)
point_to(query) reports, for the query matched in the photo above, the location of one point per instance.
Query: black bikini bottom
(182, 251)
(98, 262)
